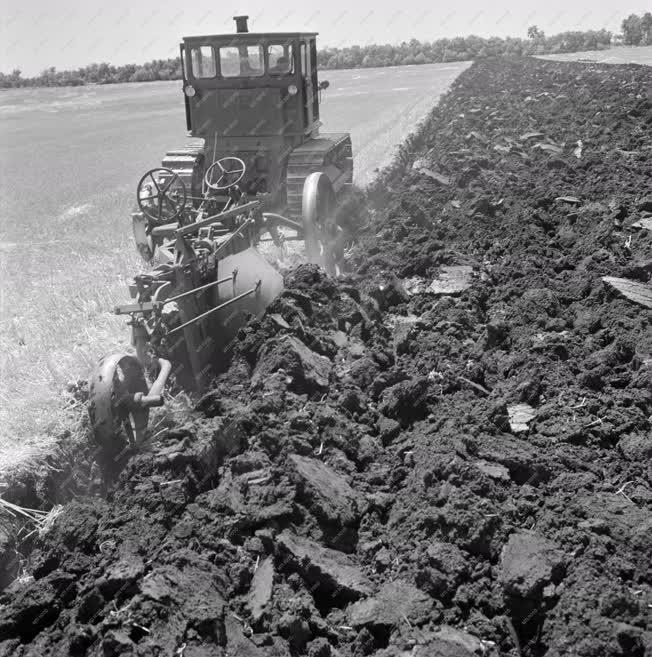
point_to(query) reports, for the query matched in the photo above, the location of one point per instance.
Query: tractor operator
(281, 66)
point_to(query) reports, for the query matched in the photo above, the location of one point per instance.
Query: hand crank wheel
(224, 173)
(161, 196)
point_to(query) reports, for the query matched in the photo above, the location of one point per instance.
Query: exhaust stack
(241, 24)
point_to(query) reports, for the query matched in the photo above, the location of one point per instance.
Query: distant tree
(142, 74)
(534, 33)
(646, 29)
(632, 30)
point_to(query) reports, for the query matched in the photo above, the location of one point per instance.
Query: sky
(35, 34)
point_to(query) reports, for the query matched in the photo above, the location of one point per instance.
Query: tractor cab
(252, 86)
(255, 96)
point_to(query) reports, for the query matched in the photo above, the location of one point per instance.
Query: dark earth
(445, 453)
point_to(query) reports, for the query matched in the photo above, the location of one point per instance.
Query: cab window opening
(304, 60)
(280, 59)
(202, 60)
(242, 61)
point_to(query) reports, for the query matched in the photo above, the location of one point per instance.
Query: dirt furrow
(444, 452)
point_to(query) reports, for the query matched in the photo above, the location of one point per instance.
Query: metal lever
(154, 396)
(216, 308)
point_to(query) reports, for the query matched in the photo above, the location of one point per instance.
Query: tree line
(462, 48)
(637, 30)
(157, 69)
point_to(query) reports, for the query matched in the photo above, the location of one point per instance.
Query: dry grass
(55, 332)
(40, 520)
(49, 344)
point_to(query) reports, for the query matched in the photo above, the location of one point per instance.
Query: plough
(261, 168)
(188, 308)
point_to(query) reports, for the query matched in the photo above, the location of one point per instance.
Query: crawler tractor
(257, 170)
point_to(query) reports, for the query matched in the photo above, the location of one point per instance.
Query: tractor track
(357, 482)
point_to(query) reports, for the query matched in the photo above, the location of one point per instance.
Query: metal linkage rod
(212, 310)
(233, 212)
(200, 288)
(232, 236)
(272, 217)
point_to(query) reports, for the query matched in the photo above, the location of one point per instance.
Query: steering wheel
(224, 173)
(161, 195)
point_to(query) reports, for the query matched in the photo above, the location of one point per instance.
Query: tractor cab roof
(243, 34)
(251, 36)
